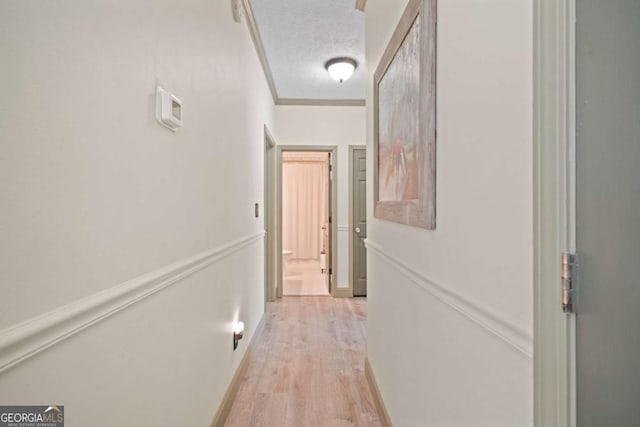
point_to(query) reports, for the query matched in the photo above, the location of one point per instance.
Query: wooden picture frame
(404, 143)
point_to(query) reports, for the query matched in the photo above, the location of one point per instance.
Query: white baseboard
(383, 415)
(342, 293)
(230, 395)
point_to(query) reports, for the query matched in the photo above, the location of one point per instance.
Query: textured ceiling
(300, 36)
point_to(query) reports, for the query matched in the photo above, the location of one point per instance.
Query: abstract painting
(404, 121)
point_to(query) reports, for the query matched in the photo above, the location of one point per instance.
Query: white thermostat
(168, 109)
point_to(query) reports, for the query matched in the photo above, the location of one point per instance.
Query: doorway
(306, 235)
(587, 189)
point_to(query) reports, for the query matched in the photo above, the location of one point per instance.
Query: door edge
(554, 208)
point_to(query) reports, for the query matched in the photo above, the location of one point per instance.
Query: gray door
(329, 253)
(608, 213)
(359, 221)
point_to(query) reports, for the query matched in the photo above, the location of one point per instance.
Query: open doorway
(305, 223)
(306, 211)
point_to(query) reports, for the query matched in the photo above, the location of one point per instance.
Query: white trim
(236, 11)
(219, 420)
(321, 102)
(259, 46)
(266, 68)
(343, 228)
(383, 414)
(333, 149)
(26, 339)
(270, 141)
(270, 217)
(516, 337)
(343, 293)
(554, 208)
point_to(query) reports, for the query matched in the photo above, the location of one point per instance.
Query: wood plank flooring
(307, 367)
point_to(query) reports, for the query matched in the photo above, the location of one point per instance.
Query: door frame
(352, 149)
(554, 129)
(333, 149)
(270, 265)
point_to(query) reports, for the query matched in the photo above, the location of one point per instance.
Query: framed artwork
(405, 121)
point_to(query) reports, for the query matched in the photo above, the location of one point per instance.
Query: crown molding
(322, 102)
(262, 56)
(257, 43)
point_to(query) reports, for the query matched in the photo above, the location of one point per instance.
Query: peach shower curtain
(304, 204)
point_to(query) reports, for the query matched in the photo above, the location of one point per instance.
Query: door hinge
(567, 280)
(330, 271)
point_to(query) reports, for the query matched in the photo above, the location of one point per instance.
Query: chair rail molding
(26, 339)
(517, 338)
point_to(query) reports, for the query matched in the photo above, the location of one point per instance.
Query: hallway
(307, 367)
(142, 220)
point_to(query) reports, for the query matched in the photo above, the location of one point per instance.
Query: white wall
(457, 302)
(341, 126)
(94, 192)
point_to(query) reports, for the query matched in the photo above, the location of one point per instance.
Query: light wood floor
(307, 367)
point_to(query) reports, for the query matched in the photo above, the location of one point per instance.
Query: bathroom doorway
(306, 233)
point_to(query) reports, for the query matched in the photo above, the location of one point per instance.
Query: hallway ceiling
(300, 36)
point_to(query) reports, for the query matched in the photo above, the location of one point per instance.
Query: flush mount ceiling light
(340, 69)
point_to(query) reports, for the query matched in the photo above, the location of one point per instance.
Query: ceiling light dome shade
(341, 69)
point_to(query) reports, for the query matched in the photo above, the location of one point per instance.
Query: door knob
(358, 230)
